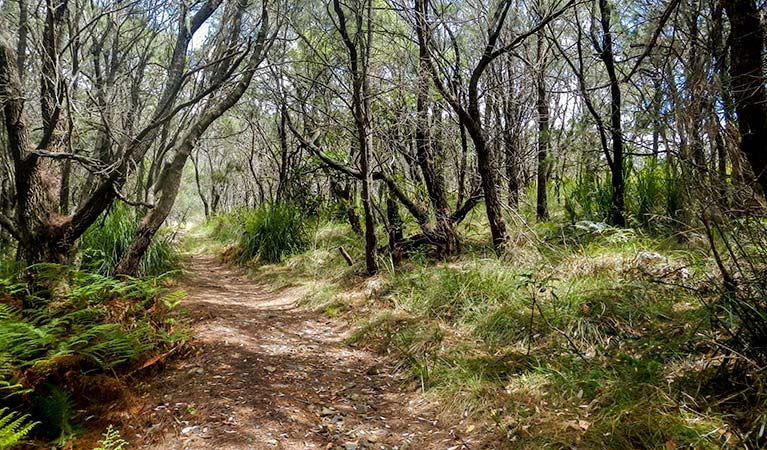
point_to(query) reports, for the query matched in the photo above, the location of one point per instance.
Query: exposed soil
(271, 375)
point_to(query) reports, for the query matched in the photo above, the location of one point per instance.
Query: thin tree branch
(10, 227)
(654, 39)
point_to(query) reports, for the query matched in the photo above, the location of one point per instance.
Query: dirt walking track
(270, 375)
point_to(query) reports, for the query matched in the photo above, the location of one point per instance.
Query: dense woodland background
(458, 131)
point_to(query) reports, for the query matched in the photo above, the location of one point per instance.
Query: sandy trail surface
(267, 374)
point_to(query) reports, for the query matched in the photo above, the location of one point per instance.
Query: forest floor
(574, 339)
(268, 374)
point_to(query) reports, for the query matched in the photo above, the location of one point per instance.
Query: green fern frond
(9, 385)
(23, 342)
(111, 440)
(13, 428)
(86, 330)
(8, 312)
(173, 299)
(12, 286)
(56, 409)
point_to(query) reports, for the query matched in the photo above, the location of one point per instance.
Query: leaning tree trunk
(488, 176)
(169, 179)
(486, 164)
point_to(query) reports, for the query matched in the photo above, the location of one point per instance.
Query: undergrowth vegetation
(741, 250)
(655, 193)
(106, 241)
(579, 350)
(13, 428)
(267, 234)
(581, 335)
(63, 348)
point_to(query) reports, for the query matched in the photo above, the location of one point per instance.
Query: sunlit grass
(562, 342)
(574, 337)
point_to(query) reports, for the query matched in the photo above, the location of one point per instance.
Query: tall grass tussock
(268, 233)
(106, 241)
(655, 196)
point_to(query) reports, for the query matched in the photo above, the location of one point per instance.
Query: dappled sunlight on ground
(270, 375)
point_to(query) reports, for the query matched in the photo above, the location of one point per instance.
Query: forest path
(270, 375)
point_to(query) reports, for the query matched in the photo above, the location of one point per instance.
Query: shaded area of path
(270, 375)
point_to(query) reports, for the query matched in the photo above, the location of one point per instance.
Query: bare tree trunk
(371, 257)
(695, 86)
(463, 165)
(511, 138)
(542, 103)
(487, 168)
(718, 51)
(359, 60)
(657, 104)
(282, 180)
(21, 44)
(215, 195)
(445, 235)
(747, 72)
(617, 208)
(206, 208)
(455, 86)
(366, 141)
